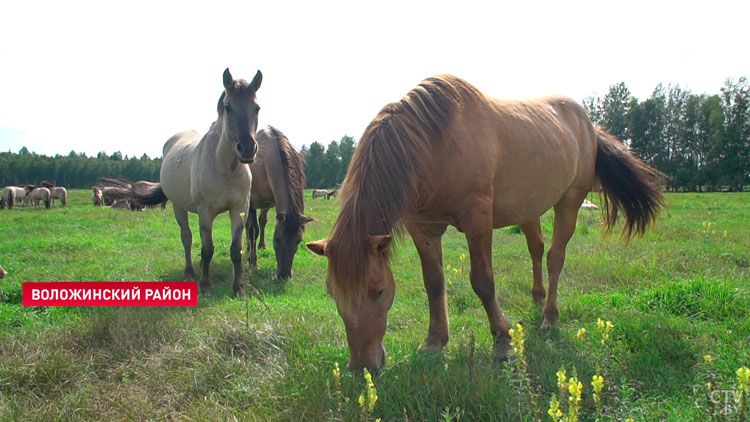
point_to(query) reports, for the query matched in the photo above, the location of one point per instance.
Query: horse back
(521, 156)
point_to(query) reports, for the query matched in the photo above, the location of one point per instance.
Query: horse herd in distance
(22, 195)
(107, 193)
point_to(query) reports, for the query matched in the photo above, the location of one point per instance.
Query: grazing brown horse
(447, 154)
(278, 181)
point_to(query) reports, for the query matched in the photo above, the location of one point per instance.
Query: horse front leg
(477, 224)
(206, 222)
(263, 220)
(252, 235)
(428, 241)
(235, 250)
(181, 215)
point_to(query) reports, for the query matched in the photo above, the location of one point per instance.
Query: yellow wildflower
(561, 378)
(462, 257)
(581, 334)
(597, 383)
(743, 379)
(708, 359)
(336, 371)
(554, 409)
(517, 339)
(575, 388)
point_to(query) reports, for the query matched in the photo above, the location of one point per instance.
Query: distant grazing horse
(96, 195)
(447, 154)
(18, 196)
(56, 192)
(278, 181)
(210, 175)
(39, 194)
(334, 193)
(319, 193)
(8, 197)
(3, 273)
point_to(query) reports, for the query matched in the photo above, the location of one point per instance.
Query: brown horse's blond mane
(294, 174)
(394, 152)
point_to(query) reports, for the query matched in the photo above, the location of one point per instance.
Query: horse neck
(224, 149)
(282, 194)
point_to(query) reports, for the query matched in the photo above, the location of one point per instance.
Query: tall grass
(676, 295)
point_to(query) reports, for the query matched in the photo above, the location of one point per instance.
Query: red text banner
(117, 293)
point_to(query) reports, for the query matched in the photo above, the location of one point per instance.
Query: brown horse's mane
(294, 173)
(394, 152)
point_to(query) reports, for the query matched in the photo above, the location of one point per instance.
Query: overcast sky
(107, 76)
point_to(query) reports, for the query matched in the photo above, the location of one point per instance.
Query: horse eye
(378, 294)
(227, 108)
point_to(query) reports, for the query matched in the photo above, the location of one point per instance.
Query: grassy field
(677, 294)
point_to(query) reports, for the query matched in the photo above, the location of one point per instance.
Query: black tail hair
(627, 184)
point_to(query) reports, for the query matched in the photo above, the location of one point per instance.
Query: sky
(94, 76)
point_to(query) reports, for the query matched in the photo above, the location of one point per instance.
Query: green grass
(675, 295)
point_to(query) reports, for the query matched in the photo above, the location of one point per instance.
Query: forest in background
(700, 141)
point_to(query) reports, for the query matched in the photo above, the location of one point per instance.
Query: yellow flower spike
(581, 334)
(361, 400)
(336, 371)
(561, 378)
(597, 383)
(517, 339)
(462, 257)
(554, 409)
(629, 420)
(743, 379)
(600, 323)
(708, 359)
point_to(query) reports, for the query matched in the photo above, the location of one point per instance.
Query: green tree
(346, 151)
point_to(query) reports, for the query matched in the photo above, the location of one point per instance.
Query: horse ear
(255, 84)
(380, 243)
(319, 247)
(227, 79)
(305, 219)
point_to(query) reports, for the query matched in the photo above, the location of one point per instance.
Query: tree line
(74, 170)
(698, 141)
(326, 167)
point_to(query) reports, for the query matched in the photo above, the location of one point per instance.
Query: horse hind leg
(535, 242)
(183, 220)
(566, 214)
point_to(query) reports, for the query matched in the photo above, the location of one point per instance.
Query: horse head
(363, 303)
(286, 238)
(238, 110)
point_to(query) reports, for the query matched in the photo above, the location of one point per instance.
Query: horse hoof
(546, 325)
(240, 294)
(205, 289)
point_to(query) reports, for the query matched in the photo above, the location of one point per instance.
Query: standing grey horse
(210, 175)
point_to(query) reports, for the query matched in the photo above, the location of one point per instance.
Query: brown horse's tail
(48, 200)
(627, 184)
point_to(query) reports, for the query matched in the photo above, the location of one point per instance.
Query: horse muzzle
(376, 362)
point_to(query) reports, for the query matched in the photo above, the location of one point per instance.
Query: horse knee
(483, 285)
